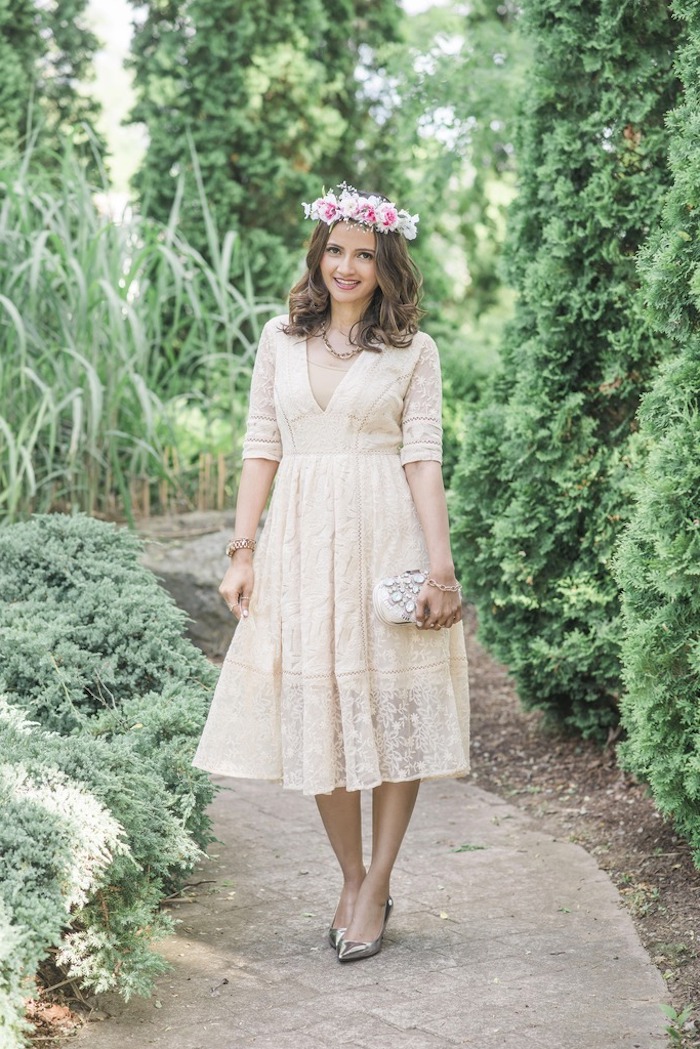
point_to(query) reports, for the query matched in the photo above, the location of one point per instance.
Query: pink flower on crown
(327, 210)
(366, 212)
(387, 216)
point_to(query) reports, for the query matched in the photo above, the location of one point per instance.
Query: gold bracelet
(441, 586)
(239, 544)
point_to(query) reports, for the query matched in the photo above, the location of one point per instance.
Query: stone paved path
(518, 941)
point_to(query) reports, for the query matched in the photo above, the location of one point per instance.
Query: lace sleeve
(262, 436)
(422, 409)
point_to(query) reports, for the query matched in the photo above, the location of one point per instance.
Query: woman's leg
(342, 818)
(392, 807)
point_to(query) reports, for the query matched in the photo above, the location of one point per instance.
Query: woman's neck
(342, 319)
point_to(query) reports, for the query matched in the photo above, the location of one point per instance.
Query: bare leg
(342, 819)
(392, 807)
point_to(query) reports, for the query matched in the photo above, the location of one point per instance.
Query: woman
(317, 691)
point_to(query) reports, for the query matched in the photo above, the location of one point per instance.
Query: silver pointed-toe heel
(334, 936)
(353, 950)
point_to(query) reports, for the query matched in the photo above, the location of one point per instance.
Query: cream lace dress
(317, 692)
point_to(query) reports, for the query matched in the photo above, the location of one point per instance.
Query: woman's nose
(345, 265)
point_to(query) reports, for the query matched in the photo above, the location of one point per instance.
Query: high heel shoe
(334, 935)
(353, 950)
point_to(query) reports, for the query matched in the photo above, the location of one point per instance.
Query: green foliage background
(543, 484)
(269, 98)
(46, 53)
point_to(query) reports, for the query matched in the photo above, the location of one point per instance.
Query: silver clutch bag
(395, 597)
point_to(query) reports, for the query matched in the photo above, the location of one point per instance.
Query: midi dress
(316, 692)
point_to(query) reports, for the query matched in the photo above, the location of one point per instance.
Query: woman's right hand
(237, 586)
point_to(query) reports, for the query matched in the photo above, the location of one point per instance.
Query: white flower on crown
(347, 205)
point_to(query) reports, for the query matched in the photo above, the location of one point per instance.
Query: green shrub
(85, 626)
(467, 359)
(542, 488)
(658, 563)
(56, 841)
(103, 812)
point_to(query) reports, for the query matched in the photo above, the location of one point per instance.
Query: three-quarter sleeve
(262, 437)
(421, 422)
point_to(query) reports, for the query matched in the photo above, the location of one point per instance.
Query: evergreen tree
(65, 70)
(20, 47)
(267, 96)
(659, 559)
(543, 483)
(46, 53)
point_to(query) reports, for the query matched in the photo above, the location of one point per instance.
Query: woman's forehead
(352, 235)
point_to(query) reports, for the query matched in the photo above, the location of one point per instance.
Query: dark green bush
(658, 563)
(102, 812)
(542, 488)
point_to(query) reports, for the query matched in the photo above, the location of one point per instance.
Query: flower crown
(348, 205)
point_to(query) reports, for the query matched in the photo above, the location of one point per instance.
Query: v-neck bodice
(324, 379)
(386, 403)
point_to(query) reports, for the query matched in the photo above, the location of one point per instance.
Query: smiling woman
(317, 690)
(359, 272)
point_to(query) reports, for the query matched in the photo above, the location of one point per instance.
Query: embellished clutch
(395, 597)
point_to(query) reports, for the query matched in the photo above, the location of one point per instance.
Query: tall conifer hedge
(543, 485)
(659, 560)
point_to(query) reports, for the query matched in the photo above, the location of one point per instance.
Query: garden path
(501, 936)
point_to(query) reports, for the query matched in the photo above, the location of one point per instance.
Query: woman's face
(348, 265)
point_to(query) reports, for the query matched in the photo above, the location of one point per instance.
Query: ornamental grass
(124, 353)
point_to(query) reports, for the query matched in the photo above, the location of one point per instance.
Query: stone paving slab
(518, 942)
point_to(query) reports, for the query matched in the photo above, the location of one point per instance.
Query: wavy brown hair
(393, 313)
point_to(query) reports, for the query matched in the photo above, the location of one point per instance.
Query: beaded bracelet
(441, 586)
(239, 544)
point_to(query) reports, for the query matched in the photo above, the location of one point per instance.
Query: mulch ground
(575, 789)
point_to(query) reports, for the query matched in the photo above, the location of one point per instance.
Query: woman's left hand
(437, 608)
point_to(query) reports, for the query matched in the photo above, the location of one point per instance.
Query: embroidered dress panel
(316, 691)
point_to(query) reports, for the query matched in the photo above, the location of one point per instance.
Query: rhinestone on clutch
(394, 597)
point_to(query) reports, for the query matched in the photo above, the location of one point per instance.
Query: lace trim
(331, 676)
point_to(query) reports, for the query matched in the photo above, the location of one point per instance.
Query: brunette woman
(318, 690)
